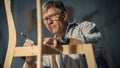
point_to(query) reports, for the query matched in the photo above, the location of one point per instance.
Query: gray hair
(53, 3)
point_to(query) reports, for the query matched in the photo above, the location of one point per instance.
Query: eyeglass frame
(52, 17)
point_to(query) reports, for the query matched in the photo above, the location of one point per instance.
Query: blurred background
(105, 13)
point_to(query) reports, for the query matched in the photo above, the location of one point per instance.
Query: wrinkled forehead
(50, 11)
(44, 10)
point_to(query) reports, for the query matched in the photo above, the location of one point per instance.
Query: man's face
(54, 20)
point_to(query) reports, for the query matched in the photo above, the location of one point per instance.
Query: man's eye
(45, 18)
(51, 16)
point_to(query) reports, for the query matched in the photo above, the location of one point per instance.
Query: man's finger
(54, 43)
(28, 42)
(46, 41)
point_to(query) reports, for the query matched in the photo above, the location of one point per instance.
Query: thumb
(55, 43)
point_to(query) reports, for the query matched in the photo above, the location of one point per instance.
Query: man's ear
(65, 15)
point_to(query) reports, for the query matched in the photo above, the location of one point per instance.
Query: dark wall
(109, 22)
(105, 13)
(3, 33)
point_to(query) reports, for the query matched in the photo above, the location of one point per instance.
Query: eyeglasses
(52, 17)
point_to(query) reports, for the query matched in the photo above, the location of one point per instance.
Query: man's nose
(49, 21)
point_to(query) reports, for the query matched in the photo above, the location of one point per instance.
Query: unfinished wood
(53, 60)
(12, 35)
(73, 41)
(39, 33)
(26, 51)
(62, 49)
(90, 58)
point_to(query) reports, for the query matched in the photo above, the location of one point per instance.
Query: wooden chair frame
(38, 50)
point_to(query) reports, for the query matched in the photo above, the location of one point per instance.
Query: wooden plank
(39, 33)
(73, 49)
(12, 35)
(26, 51)
(63, 49)
(90, 56)
(33, 50)
(53, 60)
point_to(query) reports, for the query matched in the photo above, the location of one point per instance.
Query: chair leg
(53, 61)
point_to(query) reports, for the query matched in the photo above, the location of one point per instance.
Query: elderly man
(55, 19)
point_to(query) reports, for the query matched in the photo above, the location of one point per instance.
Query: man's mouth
(53, 27)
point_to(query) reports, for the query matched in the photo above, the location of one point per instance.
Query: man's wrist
(30, 61)
(63, 40)
(30, 65)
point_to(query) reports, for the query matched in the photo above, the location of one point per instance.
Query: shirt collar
(70, 24)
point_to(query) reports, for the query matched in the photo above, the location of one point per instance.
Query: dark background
(105, 13)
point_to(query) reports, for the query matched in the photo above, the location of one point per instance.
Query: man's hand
(28, 43)
(52, 42)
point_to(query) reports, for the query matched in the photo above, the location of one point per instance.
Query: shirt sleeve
(92, 35)
(24, 65)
